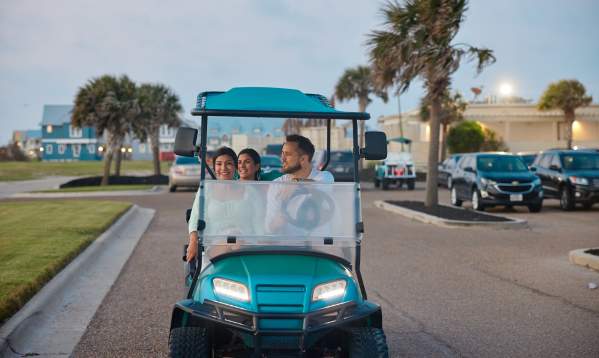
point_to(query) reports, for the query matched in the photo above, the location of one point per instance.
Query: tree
(466, 137)
(566, 95)
(158, 106)
(357, 83)
(292, 126)
(452, 110)
(417, 43)
(492, 143)
(108, 104)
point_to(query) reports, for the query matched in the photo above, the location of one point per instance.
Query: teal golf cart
(280, 269)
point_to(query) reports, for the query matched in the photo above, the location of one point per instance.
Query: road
(445, 292)
(9, 188)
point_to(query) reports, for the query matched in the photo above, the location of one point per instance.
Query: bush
(466, 137)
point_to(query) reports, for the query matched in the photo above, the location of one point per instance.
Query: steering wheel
(315, 209)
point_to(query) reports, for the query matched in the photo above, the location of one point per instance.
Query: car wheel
(566, 199)
(587, 205)
(454, 198)
(189, 342)
(411, 184)
(536, 207)
(399, 184)
(172, 188)
(385, 184)
(449, 182)
(368, 342)
(476, 201)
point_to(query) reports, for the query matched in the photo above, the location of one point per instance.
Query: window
(49, 128)
(49, 148)
(75, 132)
(62, 148)
(91, 148)
(555, 161)
(76, 148)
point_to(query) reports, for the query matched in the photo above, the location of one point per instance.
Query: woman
(224, 163)
(248, 165)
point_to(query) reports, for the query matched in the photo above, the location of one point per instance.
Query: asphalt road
(444, 292)
(9, 188)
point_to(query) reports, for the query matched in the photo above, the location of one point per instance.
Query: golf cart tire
(172, 188)
(368, 342)
(188, 342)
(411, 184)
(377, 183)
(385, 184)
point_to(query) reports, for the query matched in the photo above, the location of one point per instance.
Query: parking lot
(445, 292)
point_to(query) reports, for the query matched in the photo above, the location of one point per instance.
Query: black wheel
(368, 342)
(566, 199)
(377, 183)
(172, 188)
(536, 207)
(411, 184)
(385, 184)
(476, 200)
(189, 342)
(454, 197)
(587, 205)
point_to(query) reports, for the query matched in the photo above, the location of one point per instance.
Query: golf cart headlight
(329, 290)
(579, 180)
(231, 289)
(486, 181)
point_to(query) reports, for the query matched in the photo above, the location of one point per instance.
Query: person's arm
(192, 248)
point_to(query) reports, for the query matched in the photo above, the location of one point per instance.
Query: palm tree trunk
(155, 139)
(363, 102)
(569, 122)
(432, 199)
(119, 158)
(107, 159)
(444, 143)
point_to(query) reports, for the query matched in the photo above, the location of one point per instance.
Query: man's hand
(192, 248)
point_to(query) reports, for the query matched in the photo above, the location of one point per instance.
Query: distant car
(185, 172)
(572, 176)
(490, 179)
(528, 157)
(446, 168)
(341, 164)
(398, 169)
(270, 162)
(273, 149)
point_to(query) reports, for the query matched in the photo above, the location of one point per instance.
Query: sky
(48, 49)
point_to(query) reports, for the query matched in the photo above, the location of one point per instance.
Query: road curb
(152, 191)
(431, 219)
(580, 257)
(54, 320)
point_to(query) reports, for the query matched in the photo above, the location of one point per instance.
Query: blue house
(63, 142)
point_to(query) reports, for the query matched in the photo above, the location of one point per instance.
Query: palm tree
(452, 110)
(357, 83)
(107, 103)
(292, 126)
(417, 43)
(158, 106)
(566, 95)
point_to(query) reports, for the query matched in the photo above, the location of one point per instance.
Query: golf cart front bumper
(293, 325)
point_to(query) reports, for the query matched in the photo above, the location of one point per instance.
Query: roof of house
(56, 114)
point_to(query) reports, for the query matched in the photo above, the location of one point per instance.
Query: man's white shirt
(315, 175)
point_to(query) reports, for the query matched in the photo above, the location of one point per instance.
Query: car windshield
(528, 158)
(186, 160)
(500, 163)
(270, 161)
(581, 161)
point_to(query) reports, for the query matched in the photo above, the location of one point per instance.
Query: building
(521, 126)
(63, 142)
(29, 141)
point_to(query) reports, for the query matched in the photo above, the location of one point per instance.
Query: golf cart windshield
(265, 215)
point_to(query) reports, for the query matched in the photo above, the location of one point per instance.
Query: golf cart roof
(269, 102)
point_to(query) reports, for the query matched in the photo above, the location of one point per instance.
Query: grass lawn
(36, 242)
(98, 188)
(11, 171)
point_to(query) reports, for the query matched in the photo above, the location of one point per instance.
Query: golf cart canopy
(269, 102)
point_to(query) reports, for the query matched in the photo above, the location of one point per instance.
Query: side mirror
(532, 169)
(376, 146)
(185, 141)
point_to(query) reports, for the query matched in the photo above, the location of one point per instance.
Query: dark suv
(446, 169)
(490, 179)
(572, 176)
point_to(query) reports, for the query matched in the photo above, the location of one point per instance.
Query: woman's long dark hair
(224, 151)
(255, 157)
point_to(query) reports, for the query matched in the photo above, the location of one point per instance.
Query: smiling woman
(30, 255)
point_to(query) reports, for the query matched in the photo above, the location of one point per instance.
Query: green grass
(11, 171)
(36, 242)
(82, 189)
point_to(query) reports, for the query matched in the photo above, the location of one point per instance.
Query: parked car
(446, 168)
(185, 172)
(341, 164)
(490, 179)
(270, 162)
(528, 157)
(572, 176)
(397, 169)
